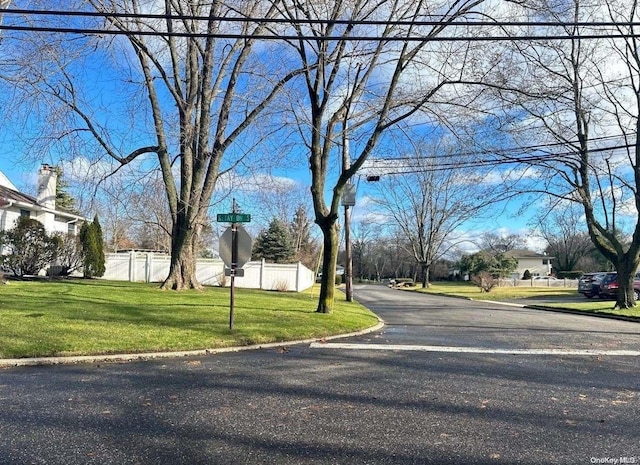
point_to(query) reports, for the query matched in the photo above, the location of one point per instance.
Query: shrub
(69, 256)
(30, 248)
(526, 275)
(485, 281)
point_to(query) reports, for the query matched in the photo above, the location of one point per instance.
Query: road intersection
(446, 381)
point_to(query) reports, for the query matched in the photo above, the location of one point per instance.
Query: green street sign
(233, 217)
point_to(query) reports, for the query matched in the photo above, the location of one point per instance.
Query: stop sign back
(244, 246)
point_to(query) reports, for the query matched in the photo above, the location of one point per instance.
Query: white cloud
(262, 183)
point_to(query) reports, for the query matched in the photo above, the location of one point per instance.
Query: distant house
(14, 204)
(537, 264)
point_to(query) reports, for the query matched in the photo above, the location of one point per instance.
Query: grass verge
(556, 297)
(77, 317)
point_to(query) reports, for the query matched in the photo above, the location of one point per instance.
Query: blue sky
(21, 168)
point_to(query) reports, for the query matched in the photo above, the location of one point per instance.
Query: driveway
(447, 381)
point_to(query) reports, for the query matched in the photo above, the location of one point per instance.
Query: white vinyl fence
(149, 267)
(568, 283)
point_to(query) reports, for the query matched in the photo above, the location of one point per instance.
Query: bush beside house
(29, 249)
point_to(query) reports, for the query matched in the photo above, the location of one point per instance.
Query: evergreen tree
(87, 249)
(275, 244)
(64, 200)
(92, 249)
(99, 267)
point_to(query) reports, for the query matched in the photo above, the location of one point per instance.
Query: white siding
(8, 218)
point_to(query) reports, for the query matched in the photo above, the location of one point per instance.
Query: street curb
(88, 359)
(545, 308)
(609, 316)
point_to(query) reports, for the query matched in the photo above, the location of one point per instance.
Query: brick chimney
(47, 180)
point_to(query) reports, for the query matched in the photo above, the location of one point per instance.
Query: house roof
(4, 181)
(523, 253)
(8, 195)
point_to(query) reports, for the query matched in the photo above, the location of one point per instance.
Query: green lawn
(558, 297)
(77, 317)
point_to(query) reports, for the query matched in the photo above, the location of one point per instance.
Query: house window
(25, 213)
(545, 261)
(71, 228)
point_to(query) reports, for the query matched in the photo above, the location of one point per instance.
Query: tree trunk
(329, 261)
(425, 275)
(626, 273)
(182, 271)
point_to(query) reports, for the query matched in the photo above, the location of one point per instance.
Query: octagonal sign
(244, 244)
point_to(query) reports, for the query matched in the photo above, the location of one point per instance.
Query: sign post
(235, 249)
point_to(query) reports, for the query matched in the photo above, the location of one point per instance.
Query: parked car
(589, 284)
(609, 286)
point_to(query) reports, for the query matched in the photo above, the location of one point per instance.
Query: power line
(507, 150)
(227, 35)
(370, 22)
(410, 168)
(448, 21)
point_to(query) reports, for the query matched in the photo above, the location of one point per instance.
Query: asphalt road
(447, 381)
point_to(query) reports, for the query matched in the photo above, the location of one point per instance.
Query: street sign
(238, 273)
(349, 195)
(233, 218)
(243, 243)
(235, 251)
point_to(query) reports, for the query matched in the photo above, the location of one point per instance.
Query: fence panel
(209, 272)
(556, 283)
(117, 267)
(150, 267)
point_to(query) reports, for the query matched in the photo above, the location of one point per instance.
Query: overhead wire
(522, 149)
(385, 22)
(451, 24)
(389, 166)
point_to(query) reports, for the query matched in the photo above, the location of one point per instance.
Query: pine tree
(64, 200)
(274, 244)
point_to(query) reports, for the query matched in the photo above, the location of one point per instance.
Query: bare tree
(565, 233)
(366, 239)
(497, 243)
(430, 197)
(581, 97)
(305, 245)
(150, 214)
(364, 88)
(187, 95)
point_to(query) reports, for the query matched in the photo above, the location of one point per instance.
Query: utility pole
(348, 200)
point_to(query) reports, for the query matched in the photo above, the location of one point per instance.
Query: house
(537, 264)
(14, 204)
